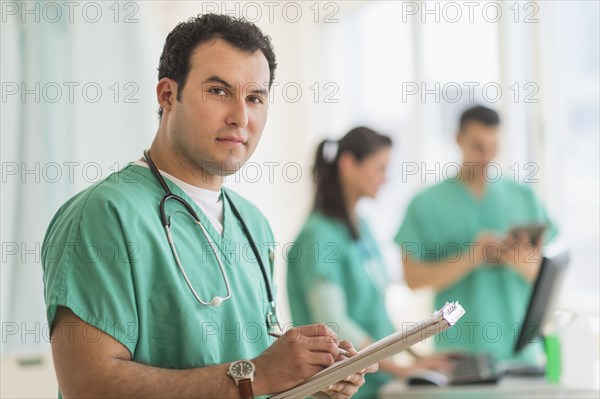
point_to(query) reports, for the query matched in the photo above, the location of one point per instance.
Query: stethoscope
(216, 301)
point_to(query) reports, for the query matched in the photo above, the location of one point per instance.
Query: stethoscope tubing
(166, 224)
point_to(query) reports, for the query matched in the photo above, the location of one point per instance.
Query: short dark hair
(360, 142)
(481, 114)
(186, 36)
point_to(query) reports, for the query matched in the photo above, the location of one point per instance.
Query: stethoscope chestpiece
(216, 301)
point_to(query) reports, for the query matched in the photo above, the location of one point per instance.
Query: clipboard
(439, 321)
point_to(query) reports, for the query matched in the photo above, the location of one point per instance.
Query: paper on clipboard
(439, 321)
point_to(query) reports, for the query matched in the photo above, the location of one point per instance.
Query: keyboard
(475, 369)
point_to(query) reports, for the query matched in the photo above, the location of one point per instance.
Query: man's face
(217, 123)
(478, 144)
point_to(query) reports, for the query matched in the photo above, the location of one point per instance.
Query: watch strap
(245, 388)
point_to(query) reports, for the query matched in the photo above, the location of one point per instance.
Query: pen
(342, 351)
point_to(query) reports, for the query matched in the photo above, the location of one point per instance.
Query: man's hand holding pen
(342, 352)
(302, 352)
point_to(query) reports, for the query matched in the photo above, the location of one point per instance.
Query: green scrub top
(439, 223)
(106, 257)
(324, 249)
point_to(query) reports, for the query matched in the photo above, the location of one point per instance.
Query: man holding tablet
(458, 238)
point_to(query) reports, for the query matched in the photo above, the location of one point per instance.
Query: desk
(508, 387)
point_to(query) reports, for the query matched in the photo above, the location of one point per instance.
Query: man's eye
(218, 91)
(255, 99)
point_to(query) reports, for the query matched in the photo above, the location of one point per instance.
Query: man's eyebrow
(259, 91)
(216, 79)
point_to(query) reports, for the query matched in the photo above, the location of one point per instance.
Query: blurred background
(78, 102)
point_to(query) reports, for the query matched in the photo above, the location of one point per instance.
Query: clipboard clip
(451, 312)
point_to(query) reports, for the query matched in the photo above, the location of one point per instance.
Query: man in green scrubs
(125, 321)
(454, 240)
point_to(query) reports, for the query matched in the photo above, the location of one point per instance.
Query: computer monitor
(543, 295)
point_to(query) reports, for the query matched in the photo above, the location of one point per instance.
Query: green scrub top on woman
(106, 257)
(325, 251)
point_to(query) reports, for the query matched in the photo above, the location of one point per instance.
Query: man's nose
(238, 114)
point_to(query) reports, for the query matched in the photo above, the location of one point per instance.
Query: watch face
(241, 369)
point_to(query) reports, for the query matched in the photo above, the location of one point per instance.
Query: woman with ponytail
(336, 274)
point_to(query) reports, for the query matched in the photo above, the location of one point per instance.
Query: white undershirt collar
(208, 201)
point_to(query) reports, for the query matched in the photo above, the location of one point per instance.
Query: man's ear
(458, 138)
(166, 93)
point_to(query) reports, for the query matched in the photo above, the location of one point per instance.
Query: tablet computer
(533, 231)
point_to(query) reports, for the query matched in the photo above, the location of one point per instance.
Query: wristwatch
(242, 372)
